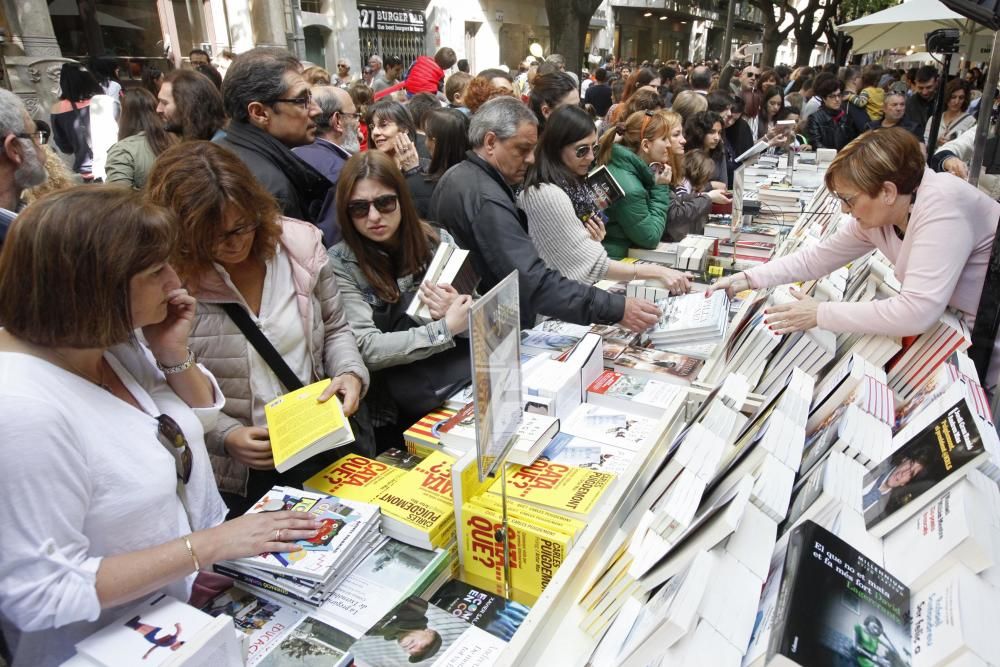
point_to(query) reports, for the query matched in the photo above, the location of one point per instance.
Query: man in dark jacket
(920, 106)
(475, 201)
(336, 141)
(272, 111)
(599, 93)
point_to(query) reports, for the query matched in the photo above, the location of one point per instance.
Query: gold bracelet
(194, 557)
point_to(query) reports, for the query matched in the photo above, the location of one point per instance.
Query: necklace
(100, 369)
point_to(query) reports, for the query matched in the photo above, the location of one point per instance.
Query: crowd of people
(268, 229)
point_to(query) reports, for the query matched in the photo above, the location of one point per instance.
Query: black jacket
(421, 189)
(919, 110)
(599, 94)
(474, 203)
(828, 129)
(301, 191)
(687, 214)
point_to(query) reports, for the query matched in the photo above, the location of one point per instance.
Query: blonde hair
(687, 103)
(889, 154)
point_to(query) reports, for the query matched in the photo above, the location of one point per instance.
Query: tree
(568, 23)
(807, 23)
(847, 11)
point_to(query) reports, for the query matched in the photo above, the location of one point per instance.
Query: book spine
(781, 639)
(257, 582)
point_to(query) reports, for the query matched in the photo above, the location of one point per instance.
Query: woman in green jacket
(141, 139)
(638, 154)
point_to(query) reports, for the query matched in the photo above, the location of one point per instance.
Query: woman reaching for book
(563, 220)
(253, 271)
(380, 265)
(110, 430)
(938, 232)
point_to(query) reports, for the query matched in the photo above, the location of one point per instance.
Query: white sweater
(560, 237)
(83, 477)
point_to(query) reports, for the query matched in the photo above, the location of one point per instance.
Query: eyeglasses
(837, 95)
(171, 435)
(359, 208)
(303, 101)
(41, 136)
(847, 201)
(356, 115)
(583, 150)
(239, 231)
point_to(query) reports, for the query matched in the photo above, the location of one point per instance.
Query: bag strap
(242, 319)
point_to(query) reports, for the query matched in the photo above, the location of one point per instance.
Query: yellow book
(567, 490)
(300, 427)
(417, 507)
(535, 553)
(532, 514)
(354, 477)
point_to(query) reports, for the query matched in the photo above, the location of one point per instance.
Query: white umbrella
(906, 24)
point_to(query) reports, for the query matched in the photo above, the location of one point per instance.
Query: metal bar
(985, 109)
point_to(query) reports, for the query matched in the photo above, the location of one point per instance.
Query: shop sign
(391, 20)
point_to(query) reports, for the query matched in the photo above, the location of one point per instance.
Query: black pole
(936, 122)
(984, 332)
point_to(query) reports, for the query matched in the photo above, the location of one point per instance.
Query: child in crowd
(426, 75)
(871, 98)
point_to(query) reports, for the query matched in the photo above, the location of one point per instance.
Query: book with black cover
(488, 611)
(837, 607)
(604, 187)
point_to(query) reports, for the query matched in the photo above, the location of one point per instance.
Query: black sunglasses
(171, 435)
(583, 150)
(358, 208)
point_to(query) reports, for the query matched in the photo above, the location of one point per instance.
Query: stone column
(31, 28)
(240, 25)
(268, 20)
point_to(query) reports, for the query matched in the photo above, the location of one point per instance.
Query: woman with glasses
(380, 268)
(563, 220)
(936, 229)
(954, 120)
(393, 133)
(827, 126)
(141, 138)
(447, 137)
(108, 429)
(235, 251)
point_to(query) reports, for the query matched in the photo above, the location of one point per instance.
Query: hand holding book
(252, 534)
(733, 285)
(348, 388)
(799, 315)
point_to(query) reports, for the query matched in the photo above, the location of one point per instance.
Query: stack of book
(349, 530)
(658, 365)
(748, 346)
(781, 199)
(614, 339)
(629, 393)
(922, 355)
(855, 381)
(693, 253)
(690, 319)
(664, 253)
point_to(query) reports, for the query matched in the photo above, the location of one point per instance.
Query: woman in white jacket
(236, 249)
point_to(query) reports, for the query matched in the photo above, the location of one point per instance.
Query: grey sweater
(560, 237)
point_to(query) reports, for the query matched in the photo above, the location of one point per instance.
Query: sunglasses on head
(583, 150)
(358, 208)
(171, 435)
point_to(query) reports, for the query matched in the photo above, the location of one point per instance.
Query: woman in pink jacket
(937, 231)
(235, 248)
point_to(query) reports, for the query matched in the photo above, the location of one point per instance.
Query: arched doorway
(316, 36)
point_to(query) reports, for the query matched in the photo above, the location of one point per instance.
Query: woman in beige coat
(235, 248)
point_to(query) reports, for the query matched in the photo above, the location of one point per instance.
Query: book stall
(709, 492)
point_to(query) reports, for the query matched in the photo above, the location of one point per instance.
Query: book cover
(487, 611)
(664, 366)
(954, 621)
(610, 427)
(615, 338)
(265, 622)
(837, 607)
(558, 487)
(605, 188)
(311, 643)
(415, 632)
(531, 514)
(399, 458)
(301, 427)
(423, 435)
(933, 459)
(354, 477)
(645, 396)
(420, 501)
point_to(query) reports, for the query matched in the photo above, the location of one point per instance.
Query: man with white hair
(22, 161)
(475, 202)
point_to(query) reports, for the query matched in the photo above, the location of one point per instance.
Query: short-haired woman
(393, 132)
(447, 137)
(561, 212)
(141, 138)
(827, 126)
(936, 229)
(235, 248)
(380, 266)
(109, 430)
(955, 120)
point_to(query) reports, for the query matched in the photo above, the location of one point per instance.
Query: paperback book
(488, 611)
(301, 427)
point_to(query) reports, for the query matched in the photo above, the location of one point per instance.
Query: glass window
(116, 27)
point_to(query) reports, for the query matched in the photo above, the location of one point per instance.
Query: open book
(300, 427)
(450, 266)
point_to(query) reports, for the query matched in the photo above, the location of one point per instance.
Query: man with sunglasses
(475, 202)
(272, 111)
(336, 140)
(22, 162)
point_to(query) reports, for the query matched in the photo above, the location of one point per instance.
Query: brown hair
(199, 180)
(481, 90)
(65, 272)
(415, 236)
(699, 168)
(953, 87)
(888, 154)
(635, 129)
(641, 101)
(199, 105)
(316, 76)
(456, 84)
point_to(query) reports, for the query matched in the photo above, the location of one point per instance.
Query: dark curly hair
(697, 127)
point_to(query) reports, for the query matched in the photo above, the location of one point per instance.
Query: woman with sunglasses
(563, 221)
(235, 248)
(393, 133)
(108, 429)
(380, 266)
